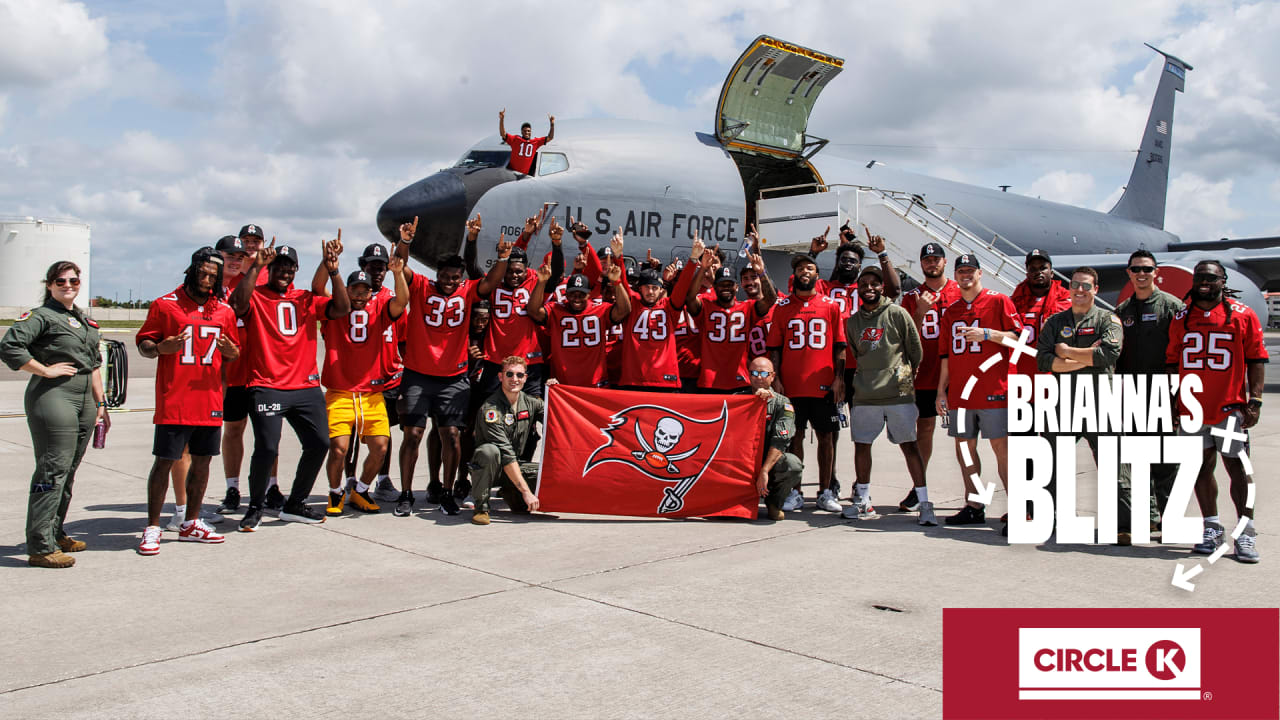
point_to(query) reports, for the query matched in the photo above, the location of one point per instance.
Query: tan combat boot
(479, 517)
(55, 559)
(69, 545)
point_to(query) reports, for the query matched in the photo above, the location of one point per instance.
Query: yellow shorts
(366, 412)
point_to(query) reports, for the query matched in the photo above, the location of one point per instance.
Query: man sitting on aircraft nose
(524, 145)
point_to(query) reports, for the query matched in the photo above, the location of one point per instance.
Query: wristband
(101, 405)
(883, 256)
(333, 273)
(1255, 402)
(986, 334)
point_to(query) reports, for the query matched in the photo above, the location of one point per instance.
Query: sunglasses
(1207, 277)
(1079, 285)
(512, 374)
(1142, 268)
(760, 373)
(63, 282)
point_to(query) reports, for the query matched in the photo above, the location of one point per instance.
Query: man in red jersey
(649, 358)
(926, 303)
(725, 322)
(353, 374)
(284, 383)
(511, 330)
(577, 325)
(235, 414)
(1038, 298)
(523, 146)
(435, 383)
(807, 345)
(972, 328)
(1220, 341)
(752, 286)
(191, 331)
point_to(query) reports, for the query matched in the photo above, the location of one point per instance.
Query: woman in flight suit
(58, 344)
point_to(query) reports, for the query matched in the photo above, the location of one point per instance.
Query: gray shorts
(1218, 441)
(869, 420)
(993, 422)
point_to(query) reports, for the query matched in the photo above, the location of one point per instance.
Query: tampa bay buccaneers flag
(612, 452)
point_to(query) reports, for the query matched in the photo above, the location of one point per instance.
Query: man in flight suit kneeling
(780, 471)
(503, 425)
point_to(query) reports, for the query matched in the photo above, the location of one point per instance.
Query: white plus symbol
(1229, 434)
(1020, 346)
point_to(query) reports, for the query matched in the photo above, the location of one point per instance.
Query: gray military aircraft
(662, 184)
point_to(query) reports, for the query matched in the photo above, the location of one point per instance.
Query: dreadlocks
(198, 259)
(1227, 293)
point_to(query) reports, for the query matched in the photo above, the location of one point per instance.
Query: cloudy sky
(166, 125)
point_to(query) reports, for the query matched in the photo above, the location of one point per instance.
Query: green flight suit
(500, 428)
(1082, 332)
(60, 411)
(779, 431)
(1146, 337)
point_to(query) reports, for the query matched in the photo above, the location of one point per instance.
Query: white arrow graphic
(1182, 577)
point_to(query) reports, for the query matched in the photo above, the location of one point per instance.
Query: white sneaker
(927, 518)
(828, 501)
(175, 524)
(794, 501)
(201, 533)
(150, 544)
(385, 489)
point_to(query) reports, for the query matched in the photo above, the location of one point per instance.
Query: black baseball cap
(229, 244)
(649, 277)
(723, 273)
(578, 283)
(931, 250)
(286, 252)
(374, 252)
(204, 255)
(1037, 253)
(799, 258)
(873, 270)
(359, 277)
(253, 230)
(967, 260)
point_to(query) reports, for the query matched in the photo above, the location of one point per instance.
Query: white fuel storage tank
(29, 245)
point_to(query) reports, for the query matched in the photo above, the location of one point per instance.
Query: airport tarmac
(560, 617)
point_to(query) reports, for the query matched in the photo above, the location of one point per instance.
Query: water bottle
(844, 418)
(745, 249)
(100, 435)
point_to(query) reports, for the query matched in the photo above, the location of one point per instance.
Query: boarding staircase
(904, 220)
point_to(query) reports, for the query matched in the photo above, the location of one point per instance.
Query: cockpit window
(484, 158)
(551, 163)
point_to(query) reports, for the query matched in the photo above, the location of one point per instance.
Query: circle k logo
(1165, 659)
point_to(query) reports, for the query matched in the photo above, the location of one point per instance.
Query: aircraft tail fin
(1144, 196)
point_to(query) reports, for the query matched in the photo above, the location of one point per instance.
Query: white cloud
(1200, 209)
(42, 42)
(1072, 188)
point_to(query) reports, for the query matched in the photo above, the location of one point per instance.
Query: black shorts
(927, 403)
(199, 440)
(235, 404)
(819, 412)
(391, 398)
(443, 399)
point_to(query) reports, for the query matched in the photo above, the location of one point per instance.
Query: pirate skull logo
(666, 435)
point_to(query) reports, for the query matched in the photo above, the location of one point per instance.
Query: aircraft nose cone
(440, 204)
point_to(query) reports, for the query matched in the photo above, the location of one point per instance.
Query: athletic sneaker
(211, 518)
(230, 503)
(968, 515)
(835, 486)
(927, 518)
(435, 491)
(150, 544)
(1246, 546)
(828, 501)
(448, 504)
(252, 518)
(404, 504)
(199, 532)
(385, 489)
(794, 501)
(909, 502)
(300, 514)
(175, 523)
(275, 499)
(336, 501)
(362, 502)
(861, 509)
(1213, 537)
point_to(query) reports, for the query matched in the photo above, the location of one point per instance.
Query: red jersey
(1218, 350)
(757, 338)
(578, 343)
(189, 382)
(511, 330)
(649, 345)
(688, 345)
(846, 296)
(726, 345)
(353, 348)
(930, 329)
(392, 336)
(806, 331)
(1035, 312)
(438, 328)
(281, 338)
(236, 374)
(522, 152)
(992, 310)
